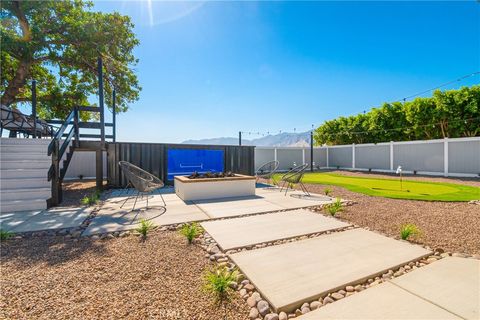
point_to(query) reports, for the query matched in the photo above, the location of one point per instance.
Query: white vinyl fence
(83, 164)
(447, 157)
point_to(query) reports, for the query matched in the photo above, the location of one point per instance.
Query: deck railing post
(56, 183)
(100, 99)
(34, 108)
(114, 113)
(75, 123)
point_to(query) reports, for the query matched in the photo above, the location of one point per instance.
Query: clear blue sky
(211, 69)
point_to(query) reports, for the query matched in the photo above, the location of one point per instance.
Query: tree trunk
(16, 83)
(23, 71)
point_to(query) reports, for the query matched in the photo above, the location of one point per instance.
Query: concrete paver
(289, 274)
(10, 220)
(245, 231)
(53, 218)
(265, 200)
(113, 218)
(452, 283)
(383, 302)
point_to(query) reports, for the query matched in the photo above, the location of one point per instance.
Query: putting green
(390, 188)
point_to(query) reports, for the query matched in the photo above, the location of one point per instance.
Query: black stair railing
(56, 149)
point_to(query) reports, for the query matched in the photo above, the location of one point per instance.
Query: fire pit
(214, 186)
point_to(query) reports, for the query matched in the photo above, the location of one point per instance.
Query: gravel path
(120, 278)
(451, 226)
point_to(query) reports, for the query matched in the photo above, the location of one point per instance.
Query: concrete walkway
(50, 219)
(265, 200)
(111, 217)
(289, 274)
(246, 231)
(446, 289)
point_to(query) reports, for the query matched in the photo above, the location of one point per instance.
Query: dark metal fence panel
(152, 157)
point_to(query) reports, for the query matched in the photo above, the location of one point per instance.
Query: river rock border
(261, 309)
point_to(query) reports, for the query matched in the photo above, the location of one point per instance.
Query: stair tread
(25, 189)
(21, 201)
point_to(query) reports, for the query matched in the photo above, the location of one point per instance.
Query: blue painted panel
(183, 162)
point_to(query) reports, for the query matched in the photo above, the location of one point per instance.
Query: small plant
(144, 228)
(219, 283)
(408, 230)
(327, 191)
(91, 199)
(5, 235)
(190, 231)
(335, 207)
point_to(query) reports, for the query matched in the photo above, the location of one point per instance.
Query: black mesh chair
(141, 180)
(267, 170)
(294, 176)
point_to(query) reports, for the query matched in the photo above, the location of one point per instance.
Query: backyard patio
(258, 235)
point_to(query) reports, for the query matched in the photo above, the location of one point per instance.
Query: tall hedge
(452, 113)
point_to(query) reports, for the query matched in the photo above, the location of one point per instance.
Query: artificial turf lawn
(390, 188)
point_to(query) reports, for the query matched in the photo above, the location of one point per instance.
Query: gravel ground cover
(451, 226)
(119, 278)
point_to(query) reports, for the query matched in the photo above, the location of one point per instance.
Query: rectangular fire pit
(214, 188)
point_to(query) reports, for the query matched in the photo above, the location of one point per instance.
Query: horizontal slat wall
(319, 156)
(152, 157)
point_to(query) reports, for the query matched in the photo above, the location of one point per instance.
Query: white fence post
(328, 166)
(275, 154)
(353, 155)
(303, 156)
(445, 157)
(391, 155)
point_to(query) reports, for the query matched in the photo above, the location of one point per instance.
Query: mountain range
(284, 139)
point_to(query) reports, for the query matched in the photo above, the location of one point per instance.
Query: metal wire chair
(141, 180)
(294, 176)
(267, 170)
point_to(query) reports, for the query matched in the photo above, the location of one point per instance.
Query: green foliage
(144, 228)
(5, 235)
(327, 191)
(91, 199)
(190, 231)
(452, 113)
(335, 207)
(408, 230)
(57, 43)
(218, 282)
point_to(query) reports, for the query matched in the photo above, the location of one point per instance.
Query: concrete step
(24, 148)
(24, 183)
(26, 194)
(20, 141)
(23, 173)
(22, 205)
(26, 164)
(31, 156)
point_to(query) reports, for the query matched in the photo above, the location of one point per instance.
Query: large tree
(58, 43)
(451, 113)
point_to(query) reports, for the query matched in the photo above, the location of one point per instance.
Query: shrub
(408, 230)
(219, 283)
(5, 235)
(91, 199)
(190, 231)
(144, 228)
(335, 207)
(327, 191)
